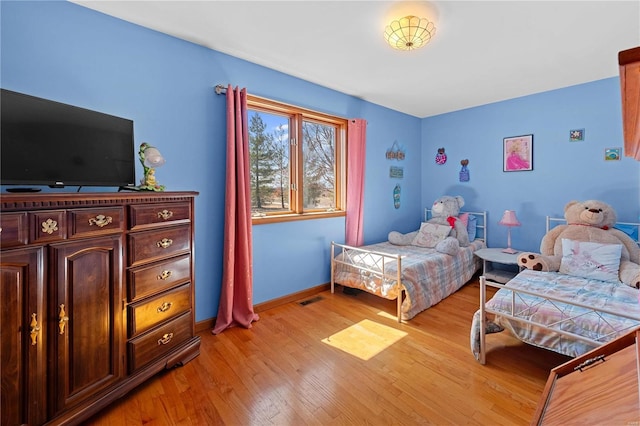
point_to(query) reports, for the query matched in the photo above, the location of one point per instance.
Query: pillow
(471, 227)
(470, 222)
(591, 260)
(464, 217)
(431, 234)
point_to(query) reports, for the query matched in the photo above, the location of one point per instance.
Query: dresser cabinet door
(22, 347)
(87, 307)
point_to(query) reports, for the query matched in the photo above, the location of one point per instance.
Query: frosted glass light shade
(153, 158)
(409, 33)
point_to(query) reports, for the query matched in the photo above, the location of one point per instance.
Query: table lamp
(509, 220)
(150, 158)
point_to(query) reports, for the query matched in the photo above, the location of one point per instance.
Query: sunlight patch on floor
(387, 315)
(365, 339)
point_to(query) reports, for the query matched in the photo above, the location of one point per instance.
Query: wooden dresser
(601, 387)
(97, 296)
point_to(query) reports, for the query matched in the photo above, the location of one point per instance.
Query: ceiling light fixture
(409, 33)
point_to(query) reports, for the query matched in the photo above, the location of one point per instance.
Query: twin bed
(563, 313)
(416, 277)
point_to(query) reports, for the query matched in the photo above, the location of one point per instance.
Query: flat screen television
(44, 142)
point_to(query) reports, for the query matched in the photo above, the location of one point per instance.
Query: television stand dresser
(96, 296)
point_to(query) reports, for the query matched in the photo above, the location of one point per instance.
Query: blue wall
(65, 52)
(562, 170)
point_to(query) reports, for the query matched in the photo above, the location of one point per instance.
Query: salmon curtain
(236, 295)
(356, 150)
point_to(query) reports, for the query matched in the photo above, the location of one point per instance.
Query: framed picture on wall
(517, 153)
(612, 154)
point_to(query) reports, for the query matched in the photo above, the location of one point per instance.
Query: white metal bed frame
(375, 261)
(554, 301)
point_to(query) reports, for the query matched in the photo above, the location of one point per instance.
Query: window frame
(297, 116)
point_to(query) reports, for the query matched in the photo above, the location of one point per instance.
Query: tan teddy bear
(589, 221)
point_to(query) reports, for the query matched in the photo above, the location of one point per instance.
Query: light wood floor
(317, 365)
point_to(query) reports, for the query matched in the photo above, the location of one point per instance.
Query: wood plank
(281, 372)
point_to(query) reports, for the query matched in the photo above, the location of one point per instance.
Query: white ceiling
(483, 51)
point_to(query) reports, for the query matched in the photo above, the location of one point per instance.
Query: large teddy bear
(444, 231)
(587, 222)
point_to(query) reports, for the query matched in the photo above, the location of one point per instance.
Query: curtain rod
(220, 89)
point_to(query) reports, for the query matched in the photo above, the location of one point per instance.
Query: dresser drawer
(88, 222)
(144, 216)
(13, 229)
(159, 341)
(159, 244)
(146, 280)
(146, 315)
(46, 226)
(599, 387)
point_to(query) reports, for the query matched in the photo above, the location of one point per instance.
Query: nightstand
(491, 256)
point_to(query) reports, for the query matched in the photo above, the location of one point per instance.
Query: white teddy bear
(444, 231)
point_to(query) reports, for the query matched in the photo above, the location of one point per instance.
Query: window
(297, 162)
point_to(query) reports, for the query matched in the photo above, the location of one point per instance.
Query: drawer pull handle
(589, 362)
(165, 214)
(34, 328)
(100, 220)
(164, 307)
(62, 319)
(164, 243)
(49, 226)
(165, 339)
(164, 275)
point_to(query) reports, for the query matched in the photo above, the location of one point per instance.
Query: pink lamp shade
(509, 220)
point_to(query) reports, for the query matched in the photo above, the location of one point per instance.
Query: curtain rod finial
(220, 89)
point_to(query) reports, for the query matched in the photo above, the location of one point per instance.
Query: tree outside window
(296, 162)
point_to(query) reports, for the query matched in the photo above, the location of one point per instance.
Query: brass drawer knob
(100, 220)
(165, 275)
(165, 214)
(165, 339)
(164, 243)
(49, 226)
(164, 307)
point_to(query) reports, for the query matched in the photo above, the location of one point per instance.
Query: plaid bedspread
(600, 295)
(428, 276)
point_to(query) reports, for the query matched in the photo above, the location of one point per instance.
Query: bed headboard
(481, 227)
(630, 228)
